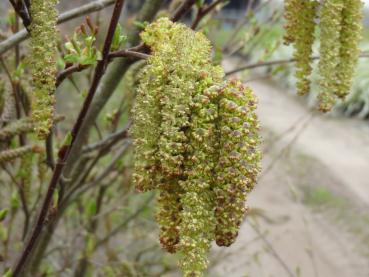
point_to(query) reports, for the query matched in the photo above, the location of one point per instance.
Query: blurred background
(309, 212)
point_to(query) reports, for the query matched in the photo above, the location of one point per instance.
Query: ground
(308, 212)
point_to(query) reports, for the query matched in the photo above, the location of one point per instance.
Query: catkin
(303, 43)
(15, 128)
(177, 119)
(291, 16)
(10, 155)
(239, 157)
(350, 36)
(43, 60)
(330, 28)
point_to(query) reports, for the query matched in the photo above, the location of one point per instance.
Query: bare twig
(272, 250)
(276, 62)
(183, 10)
(121, 134)
(203, 11)
(63, 155)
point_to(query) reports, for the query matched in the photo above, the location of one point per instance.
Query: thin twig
(276, 62)
(121, 134)
(272, 250)
(203, 11)
(183, 10)
(99, 71)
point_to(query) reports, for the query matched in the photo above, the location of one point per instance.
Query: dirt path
(330, 153)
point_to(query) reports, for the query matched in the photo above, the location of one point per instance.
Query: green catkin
(303, 43)
(9, 112)
(43, 60)
(291, 16)
(198, 221)
(25, 173)
(2, 96)
(15, 128)
(351, 27)
(330, 28)
(10, 155)
(176, 136)
(239, 159)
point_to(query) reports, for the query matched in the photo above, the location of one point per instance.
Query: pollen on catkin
(176, 131)
(303, 43)
(291, 16)
(43, 60)
(351, 27)
(239, 158)
(330, 28)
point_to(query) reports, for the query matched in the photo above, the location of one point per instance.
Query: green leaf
(14, 201)
(8, 273)
(3, 214)
(140, 24)
(91, 208)
(68, 139)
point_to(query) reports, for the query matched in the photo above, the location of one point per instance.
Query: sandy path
(306, 241)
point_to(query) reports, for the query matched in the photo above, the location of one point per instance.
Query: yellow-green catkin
(10, 155)
(198, 222)
(43, 60)
(330, 28)
(15, 128)
(291, 16)
(239, 159)
(177, 117)
(303, 43)
(351, 28)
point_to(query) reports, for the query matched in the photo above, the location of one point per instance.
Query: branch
(203, 11)
(128, 54)
(276, 62)
(22, 10)
(64, 17)
(122, 134)
(183, 10)
(63, 155)
(62, 75)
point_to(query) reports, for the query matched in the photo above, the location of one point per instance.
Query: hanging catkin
(43, 60)
(178, 142)
(303, 43)
(340, 33)
(330, 28)
(350, 36)
(239, 157)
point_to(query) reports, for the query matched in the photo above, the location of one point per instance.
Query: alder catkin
(43, 61)
(239, 158)
(291, 16)
(178, 141)
(10, 155)
(351, 28)
(303, 43)
(330, 28)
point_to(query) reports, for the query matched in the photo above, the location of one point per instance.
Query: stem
(99, 71)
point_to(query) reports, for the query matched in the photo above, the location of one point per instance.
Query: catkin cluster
(43, 60)
(196, 142)
(340, 33)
